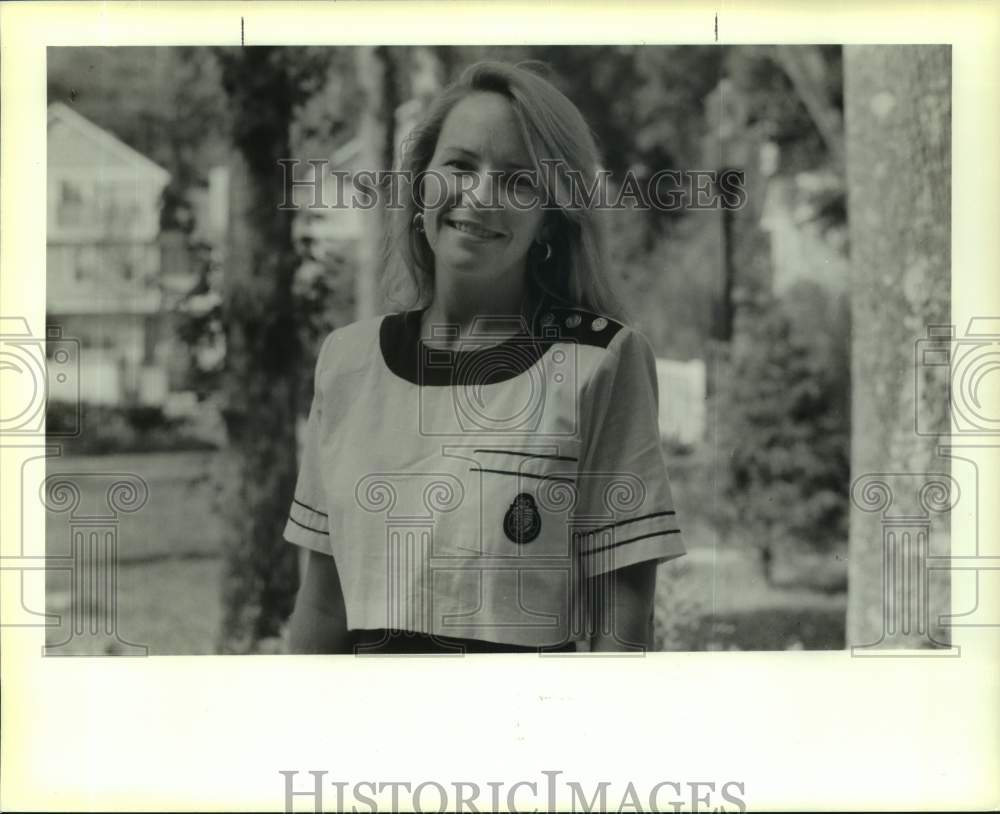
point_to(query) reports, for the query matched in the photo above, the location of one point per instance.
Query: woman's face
(481, 214)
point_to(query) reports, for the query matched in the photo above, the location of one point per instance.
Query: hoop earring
(548, 252)
(418, 222)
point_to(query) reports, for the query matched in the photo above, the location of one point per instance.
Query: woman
(483, 473)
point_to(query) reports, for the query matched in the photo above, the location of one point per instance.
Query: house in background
(682, 394)
(103, 260)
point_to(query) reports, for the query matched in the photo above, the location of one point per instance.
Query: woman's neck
(465, 305)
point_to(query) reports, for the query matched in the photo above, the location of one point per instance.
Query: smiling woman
(483, 471)
(480, 249)
(487, 147)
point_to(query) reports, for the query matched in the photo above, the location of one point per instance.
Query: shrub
(106, 430)
(785, 424)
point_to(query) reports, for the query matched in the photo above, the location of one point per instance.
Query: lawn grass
(172, 607)
(720, 601)
(170, 571)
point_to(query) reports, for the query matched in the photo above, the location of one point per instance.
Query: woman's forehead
(484, 124)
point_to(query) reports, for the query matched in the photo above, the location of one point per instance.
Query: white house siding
(682, 400)
(103, 258)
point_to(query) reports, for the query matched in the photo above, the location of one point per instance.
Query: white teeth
(471, 229)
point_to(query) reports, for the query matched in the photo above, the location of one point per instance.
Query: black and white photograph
(378, 357)
(416, 349)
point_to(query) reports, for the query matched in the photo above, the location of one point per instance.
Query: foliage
(786, 428)
(106, 430)
(645, 103)
(164, 102)
(263, 86)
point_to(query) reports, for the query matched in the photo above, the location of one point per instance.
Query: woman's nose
(485, 190)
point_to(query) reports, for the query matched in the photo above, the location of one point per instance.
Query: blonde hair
(553, 129)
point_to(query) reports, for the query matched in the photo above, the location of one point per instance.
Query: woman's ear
(546, 231)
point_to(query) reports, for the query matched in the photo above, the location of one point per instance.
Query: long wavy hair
(553, 129)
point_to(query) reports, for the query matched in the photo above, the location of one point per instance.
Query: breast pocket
(527, 498)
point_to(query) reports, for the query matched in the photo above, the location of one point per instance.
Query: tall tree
(376, 72)
(260, 382)
(897, 115)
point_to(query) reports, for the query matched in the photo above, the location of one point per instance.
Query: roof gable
(75, 141)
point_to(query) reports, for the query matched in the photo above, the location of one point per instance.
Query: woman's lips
(473, 229)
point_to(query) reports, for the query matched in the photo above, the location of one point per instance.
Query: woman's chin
(465, 262)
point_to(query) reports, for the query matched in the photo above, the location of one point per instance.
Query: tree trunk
(898, 118)
(376, 134)
(260, 382)
(806, 68)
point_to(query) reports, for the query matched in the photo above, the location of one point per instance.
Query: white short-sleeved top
(472, 493)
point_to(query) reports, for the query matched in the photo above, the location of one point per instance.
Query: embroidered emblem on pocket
(522, 523)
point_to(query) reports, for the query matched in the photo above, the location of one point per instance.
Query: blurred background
(199, 306)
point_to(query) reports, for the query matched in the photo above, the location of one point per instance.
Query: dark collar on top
(477, 362)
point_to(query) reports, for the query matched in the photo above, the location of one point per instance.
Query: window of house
(85, 263)
(70, 209)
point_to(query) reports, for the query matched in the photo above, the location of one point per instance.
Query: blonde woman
(482, 471)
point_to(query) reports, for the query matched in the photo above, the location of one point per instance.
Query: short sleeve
(308, 523)
(625, 511)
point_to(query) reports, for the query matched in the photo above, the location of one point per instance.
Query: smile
(473, 229)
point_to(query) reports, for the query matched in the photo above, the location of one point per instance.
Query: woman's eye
(458, 164)
(522, 184)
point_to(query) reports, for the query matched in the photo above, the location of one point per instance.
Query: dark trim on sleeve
(310, 508)
(307, 528)
(631, 540)
(626, 522)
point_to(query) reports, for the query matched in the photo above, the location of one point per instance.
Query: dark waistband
(392, 642)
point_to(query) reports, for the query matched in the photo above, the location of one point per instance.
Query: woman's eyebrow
(507, 165)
